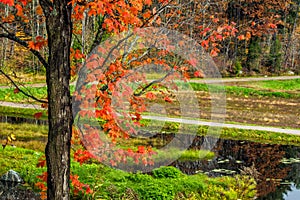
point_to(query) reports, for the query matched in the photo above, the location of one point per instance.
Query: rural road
(194, 122)
(243, 79)
(181, 120)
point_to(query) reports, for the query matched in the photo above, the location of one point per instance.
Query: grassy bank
(30, 135)
(23, 78)
(286, 85)
(282, 89)
(8, 94)
(166, 183)
(242, 91)
(27, 113)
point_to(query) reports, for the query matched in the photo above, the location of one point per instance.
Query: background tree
(61, 18)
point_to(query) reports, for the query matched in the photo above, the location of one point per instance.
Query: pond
(18, 120)
(276, 167)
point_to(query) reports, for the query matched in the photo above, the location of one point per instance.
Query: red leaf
(141, 149)
(219, 37)
(40, 42)
(241, 37)
(19, 10)
(193, 62)
(41, 162)
(43, 177)
(215, 20)
(273, 26)
(38, 115)
(24, 2)
(167, 99)
(248, 36)
(78, 55)
(82, 156)
(16, 90)
(198, 74)
(213, 53)
(150, 96)
(205, 44)
(7, 2)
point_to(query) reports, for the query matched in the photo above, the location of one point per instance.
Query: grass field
(281, 89)
(110, 183)
(274, 85)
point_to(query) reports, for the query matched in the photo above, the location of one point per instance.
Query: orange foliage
(38, 44)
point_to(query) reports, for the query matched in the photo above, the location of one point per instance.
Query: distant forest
(245, 37)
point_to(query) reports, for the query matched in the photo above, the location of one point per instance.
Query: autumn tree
(230, 29)
(61, 19)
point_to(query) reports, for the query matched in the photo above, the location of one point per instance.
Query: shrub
(237, 67)
(157, 190)
(167, 172)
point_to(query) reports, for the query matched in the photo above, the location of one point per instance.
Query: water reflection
(275, 179)
(19, 120)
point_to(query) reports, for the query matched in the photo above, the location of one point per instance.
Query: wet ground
(256, 110)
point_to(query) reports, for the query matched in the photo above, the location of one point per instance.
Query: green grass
(22, 112)
(226, 133)
(287, 85)
(8, 94)
(21, 160)
(28, 136)
(241, 91)
(189, 155)
(107, 183)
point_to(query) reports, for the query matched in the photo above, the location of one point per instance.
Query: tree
(274, 61)
(59, 30)
(61, 18)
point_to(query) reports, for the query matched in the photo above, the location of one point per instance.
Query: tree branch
(22, 91)
(153, 82)
(24, 44)
(99, 33)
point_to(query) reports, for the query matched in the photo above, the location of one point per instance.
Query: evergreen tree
(275, 55)
(253, 56)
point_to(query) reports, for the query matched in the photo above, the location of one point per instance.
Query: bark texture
(59, 30)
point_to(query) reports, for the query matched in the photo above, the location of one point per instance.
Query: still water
(276, 167)
(18, 120)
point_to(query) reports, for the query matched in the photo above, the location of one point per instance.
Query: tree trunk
(59, 30)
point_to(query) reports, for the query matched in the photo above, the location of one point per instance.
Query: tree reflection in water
(233, 155)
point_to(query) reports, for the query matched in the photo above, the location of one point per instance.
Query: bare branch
(4, 28)
(153, 82)
(22, 91)
(99, 34)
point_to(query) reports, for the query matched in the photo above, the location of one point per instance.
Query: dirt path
(184, 121)
(243, 79)
(268, 114)
(225, 125)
